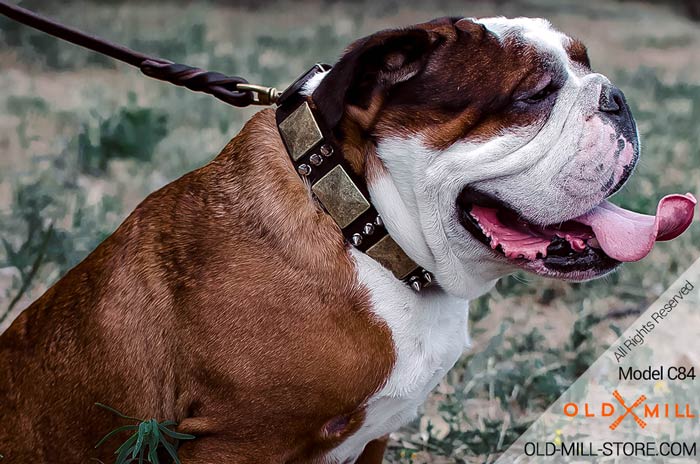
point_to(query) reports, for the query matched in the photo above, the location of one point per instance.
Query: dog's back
(211, 306)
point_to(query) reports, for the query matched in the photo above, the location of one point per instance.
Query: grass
(149, 441)
(131, 133)
(84, 140)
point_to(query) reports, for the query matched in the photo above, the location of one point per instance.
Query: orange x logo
(628, 410)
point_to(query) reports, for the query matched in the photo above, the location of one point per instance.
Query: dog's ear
(372, 66)
(468, 27)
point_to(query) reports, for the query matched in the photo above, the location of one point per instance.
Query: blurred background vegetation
(84, 139)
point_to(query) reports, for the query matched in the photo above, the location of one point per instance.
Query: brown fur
(465, 101)
(578, 53)
(226, 301)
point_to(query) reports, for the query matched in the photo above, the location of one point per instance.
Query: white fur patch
(416, 200)
(313, 83)
(430, 333)
(537, 31)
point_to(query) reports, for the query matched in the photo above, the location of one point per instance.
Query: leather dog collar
(341, 192)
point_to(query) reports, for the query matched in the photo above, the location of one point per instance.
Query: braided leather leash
(233, 90)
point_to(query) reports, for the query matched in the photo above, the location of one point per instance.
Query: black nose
(612, 100)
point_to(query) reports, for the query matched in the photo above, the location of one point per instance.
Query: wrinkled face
(482, 141)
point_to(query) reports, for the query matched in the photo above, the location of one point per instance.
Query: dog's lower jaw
(411, 209)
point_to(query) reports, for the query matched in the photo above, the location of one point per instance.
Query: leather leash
(233, 90)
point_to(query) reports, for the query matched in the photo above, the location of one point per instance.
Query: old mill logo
(638, 411)
(629, 410)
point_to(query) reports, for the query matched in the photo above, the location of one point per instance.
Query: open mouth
(580, 248)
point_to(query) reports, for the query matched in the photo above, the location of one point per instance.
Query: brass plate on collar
(392, 257)
(340, 196)
(300, 131)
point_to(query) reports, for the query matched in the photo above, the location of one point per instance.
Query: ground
(83, 140)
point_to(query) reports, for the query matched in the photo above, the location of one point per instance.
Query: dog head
(481, 142)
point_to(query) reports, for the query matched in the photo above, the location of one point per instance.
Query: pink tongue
(628, 236)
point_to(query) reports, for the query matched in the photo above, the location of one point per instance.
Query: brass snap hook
(262, 95)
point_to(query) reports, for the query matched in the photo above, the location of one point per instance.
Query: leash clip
(261, 95)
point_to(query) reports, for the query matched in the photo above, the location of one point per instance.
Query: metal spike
(368, 229)
(315, 159)
(326, 150)
(415, 284)
(356, 239)
(304, 169)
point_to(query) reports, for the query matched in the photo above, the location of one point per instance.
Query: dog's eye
(542, 94)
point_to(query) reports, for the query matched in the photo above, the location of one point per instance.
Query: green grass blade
(124, 456)
(170, 449)
(153, 440)
(175, 435)
(114, 411)
(115, 431)
(128, 443)
(139, 441)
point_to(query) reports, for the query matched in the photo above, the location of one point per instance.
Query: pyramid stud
(368, 229)
(326, 150)
(378, 221)
(427, 278)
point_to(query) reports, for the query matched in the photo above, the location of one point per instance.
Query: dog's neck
(337, 183)
(390, 171)
(254, 169)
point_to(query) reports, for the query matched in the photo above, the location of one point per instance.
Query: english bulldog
(232, 302)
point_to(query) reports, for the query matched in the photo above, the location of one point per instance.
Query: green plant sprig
(144, 443)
